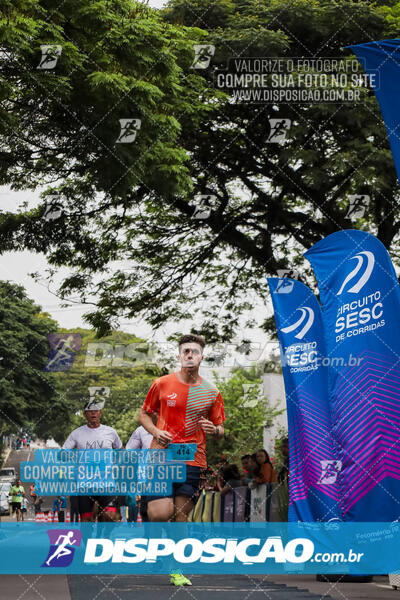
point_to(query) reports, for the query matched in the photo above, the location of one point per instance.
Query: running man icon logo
(129, 129)
(97, 397)
(63, 347)
(278, 130)
(53, 209)
(286, 283)
(365, 264)
(202, 55)
(50, 56)
(358, 204)
(330, 470)
(202, 210)
(307, 315)
(62, 547)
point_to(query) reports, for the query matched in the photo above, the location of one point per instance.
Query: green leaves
(26, 392)
(247, 413)
(265, 203)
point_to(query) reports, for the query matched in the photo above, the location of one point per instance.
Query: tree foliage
(247, 412)
(267, 202)
(128, 384)
(28, 396)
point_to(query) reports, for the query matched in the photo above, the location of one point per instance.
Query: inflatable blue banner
(360, 296)
(381, 61)
(313, 468)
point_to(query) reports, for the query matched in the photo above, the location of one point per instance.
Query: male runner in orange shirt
(188, 407)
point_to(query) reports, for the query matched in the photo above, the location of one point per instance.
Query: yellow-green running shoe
(178, 579)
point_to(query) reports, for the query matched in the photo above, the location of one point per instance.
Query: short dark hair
(230, 471)
(192, 337)
(245, 456)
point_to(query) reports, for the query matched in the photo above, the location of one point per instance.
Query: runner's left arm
(70, 442)
(213, 425)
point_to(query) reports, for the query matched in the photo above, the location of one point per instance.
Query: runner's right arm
(151, 406)
(163, 438)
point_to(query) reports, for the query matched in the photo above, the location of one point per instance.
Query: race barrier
(241, 504)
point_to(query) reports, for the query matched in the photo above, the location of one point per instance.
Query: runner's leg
(86, 505)
(183, 506)
(161, 509)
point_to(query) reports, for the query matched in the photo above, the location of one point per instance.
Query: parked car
(5, 487)
(8, 474)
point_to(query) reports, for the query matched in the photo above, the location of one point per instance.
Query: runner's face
(190, 355)
(92, 417)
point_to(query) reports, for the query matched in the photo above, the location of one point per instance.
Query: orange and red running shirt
(180, 406)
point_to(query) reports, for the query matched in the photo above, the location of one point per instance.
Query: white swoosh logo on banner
(366, 275)
(304, 311)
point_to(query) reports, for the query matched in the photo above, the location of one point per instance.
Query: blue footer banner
(313, 468)
(246, 548)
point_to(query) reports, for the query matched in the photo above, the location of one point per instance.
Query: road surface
(205, 587)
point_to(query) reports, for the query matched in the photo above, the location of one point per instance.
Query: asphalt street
(224, 587)
(232, 587)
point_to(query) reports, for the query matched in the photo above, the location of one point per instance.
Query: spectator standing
(265, 472)
(32, 493)
(24, 508)
(38, 505)
(56, 505)
(74, 508)
(17, 493)
(228, 479)
(63, 507)
(284, 471)
(246, 468)
(253, 465)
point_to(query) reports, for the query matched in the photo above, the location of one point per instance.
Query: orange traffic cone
(55, 520)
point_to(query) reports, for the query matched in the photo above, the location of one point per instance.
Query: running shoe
(178, 579)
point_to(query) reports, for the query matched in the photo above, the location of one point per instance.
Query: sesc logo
(365, 264)
(307, 316)
(62, 547)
